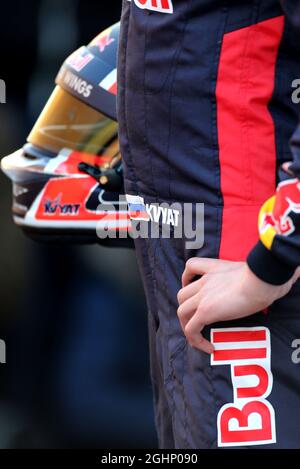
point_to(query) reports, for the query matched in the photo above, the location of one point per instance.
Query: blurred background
(75, 326)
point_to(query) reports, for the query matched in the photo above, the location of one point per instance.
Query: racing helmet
(67, 179)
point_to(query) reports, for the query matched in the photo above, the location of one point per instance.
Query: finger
(190, 290)
(296, 274)
(200, 266)
(286, 167)
(193, 333)
(197, 266)
(196, 340)
(187, 309)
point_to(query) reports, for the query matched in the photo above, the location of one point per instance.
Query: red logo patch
(250, 419)
(287, 202)
(103, 40)
(162, 6)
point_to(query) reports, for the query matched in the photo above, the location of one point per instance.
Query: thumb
(296, 275)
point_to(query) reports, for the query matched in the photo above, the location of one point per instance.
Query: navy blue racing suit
(207, 105)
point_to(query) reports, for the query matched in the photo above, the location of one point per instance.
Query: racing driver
(207, 105)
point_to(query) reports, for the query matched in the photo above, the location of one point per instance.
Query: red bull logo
(286, 203)
(103, 40)
(250, 418)
(162, 6)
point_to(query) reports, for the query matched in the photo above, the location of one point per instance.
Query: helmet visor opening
(66, 122)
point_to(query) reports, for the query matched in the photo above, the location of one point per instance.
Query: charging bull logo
(277, 216)
(162, 6)
(250, 418)
(103, 40)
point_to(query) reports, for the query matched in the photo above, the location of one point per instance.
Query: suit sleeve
(277, 253)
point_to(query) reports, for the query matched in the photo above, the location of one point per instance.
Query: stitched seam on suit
(170, 115)
(175, 65)
(146, 97)
(124, 70)
(217, 184)
(214, 77)
(278, 85)
(150, 165)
